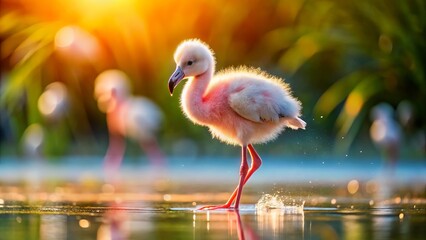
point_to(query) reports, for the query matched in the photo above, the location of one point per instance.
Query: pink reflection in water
(214, 222)
(115, 224)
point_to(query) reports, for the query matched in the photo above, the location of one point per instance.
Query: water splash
(270, 202)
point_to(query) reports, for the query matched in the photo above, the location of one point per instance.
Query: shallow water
(328, 200)
(182, 221)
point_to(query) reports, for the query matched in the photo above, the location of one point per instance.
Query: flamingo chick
(127, 116)
(241, 106)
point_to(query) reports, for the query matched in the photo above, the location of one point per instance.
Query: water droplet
(269, 202)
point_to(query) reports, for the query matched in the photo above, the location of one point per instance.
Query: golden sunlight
(94, 10)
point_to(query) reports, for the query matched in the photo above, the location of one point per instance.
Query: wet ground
(321, 199)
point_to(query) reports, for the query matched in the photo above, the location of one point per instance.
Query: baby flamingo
(240, 106)
(127, 116)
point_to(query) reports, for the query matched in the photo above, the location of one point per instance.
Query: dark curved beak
(175, 79)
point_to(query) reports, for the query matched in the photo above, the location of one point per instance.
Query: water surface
(72, 200)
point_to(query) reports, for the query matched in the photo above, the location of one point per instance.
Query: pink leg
(243, 174)
(114, 156)
(153, 152)
(256, 162)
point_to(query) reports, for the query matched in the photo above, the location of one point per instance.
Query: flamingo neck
(116, 103)
(192, 97)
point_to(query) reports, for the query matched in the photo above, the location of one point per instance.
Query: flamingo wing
(264, 101)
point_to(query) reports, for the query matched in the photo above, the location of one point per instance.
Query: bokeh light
(84, 223)
(33, 139)
(65, 37)
(53, 102)
(353, 186)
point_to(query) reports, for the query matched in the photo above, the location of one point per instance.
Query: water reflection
(277, 224)
(53, 227)
(248, 224)
(216, 223)
(159, 221)
(114, 224)
(385, 226)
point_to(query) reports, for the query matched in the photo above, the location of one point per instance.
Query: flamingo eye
(190, 63)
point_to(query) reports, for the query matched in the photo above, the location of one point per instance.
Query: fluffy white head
(109, 85)
(194, 57)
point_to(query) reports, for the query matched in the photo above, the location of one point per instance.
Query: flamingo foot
(215, 207)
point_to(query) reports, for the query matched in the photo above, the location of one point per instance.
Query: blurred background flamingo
(386, 134)
(127, 116)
